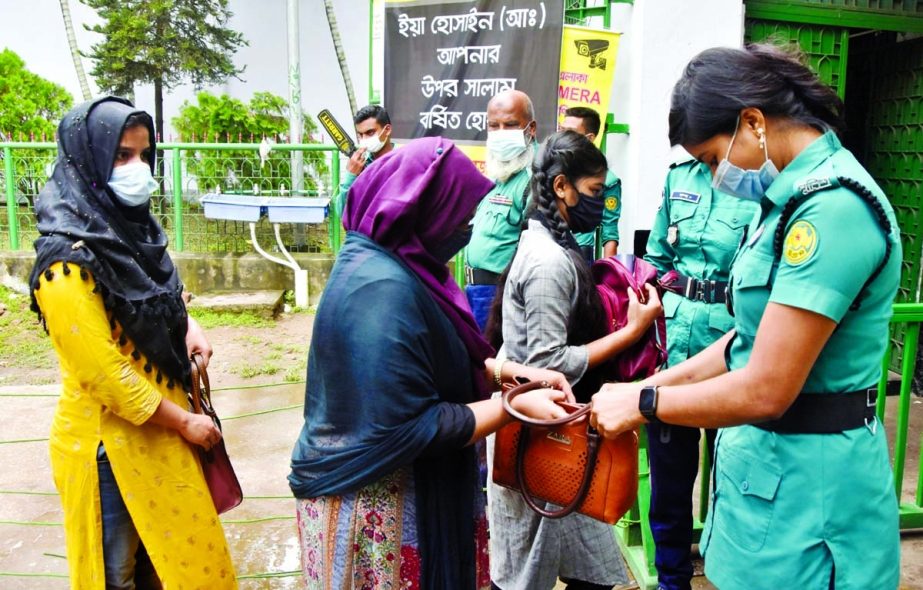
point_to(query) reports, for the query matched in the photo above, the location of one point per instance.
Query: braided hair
(719, 82)
(575, 157)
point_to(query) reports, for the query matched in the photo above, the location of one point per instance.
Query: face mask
(586, 214)
(372, 144)
(506, 144)
(744, 184)
(132, 183)
(457, 240)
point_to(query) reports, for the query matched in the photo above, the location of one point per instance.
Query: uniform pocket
(671, 302)
(745, 492)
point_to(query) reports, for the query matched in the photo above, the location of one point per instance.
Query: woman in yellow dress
(137, 511)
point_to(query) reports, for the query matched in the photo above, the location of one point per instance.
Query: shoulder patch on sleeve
(611, 203)
(812, 185)
(800, 243)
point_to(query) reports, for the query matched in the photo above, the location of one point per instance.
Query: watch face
(647, 403)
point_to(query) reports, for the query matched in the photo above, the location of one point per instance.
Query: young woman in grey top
(548, 314)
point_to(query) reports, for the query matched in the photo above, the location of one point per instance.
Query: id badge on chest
(672, 235)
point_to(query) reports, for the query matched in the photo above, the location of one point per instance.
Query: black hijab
(81, 221)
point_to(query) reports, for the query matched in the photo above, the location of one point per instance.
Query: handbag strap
(592, 450)
(532, 385)
(201, 389)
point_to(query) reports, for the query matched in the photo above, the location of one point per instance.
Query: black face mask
(586, 214)
(458, 239)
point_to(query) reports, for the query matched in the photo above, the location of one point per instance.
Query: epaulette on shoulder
(679, 163)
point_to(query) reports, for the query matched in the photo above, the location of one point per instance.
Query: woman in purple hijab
(385, 472)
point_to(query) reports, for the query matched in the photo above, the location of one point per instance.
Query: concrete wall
(207, 273)
(659, 39)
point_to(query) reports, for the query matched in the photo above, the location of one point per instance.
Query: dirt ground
(252, 373)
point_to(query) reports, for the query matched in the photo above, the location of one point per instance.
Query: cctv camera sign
(587, 71)
(445, 60)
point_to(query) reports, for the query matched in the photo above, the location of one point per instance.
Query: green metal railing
(633, 532)
(190, 171)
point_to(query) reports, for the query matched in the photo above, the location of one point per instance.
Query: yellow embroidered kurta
(107, 396)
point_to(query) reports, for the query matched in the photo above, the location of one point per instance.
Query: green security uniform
(348, 179)
(498, 223)
(609, 228)
(787, 509)
(696, 233)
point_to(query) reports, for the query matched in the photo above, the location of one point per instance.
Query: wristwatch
(647, 403)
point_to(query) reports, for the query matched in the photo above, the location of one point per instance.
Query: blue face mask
(132, 184)
(457, 240)
(506, 144)
(745, 184)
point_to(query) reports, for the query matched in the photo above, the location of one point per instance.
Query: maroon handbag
(216, 465)
(613, 277)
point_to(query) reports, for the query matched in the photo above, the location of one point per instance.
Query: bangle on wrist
(498, 373)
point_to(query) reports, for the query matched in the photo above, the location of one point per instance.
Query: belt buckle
(871, 400)
(469, 275)
(691, 285)
(702, 289)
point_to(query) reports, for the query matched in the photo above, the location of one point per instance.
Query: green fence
(189, 171)
(633, 532)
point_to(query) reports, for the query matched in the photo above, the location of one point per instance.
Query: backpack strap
(812, 187)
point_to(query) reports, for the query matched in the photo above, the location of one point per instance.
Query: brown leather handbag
(216, 465)
(566, 462)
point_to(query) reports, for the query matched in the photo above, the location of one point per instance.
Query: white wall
(660, 36)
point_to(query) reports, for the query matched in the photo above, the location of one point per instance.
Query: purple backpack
(613, 276)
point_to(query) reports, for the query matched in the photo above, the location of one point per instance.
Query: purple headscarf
(415, 195)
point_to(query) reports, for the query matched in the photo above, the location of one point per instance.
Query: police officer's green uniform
(496, 227)
(696, 233)
(787, 509)
(609, 227)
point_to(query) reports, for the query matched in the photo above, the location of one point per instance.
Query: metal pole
(177, 201)
(11, 207)
(295, 124)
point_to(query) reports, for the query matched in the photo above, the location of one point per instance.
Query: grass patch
(208, 318)
(296, 373)
(23, 342)
(249, 372)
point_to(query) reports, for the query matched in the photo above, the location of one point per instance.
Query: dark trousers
(126, 562)
(674, 457)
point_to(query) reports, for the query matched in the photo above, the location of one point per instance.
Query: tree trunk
(341, 56)
(158, 130)
(75, 52)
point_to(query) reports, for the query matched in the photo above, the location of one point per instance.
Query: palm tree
(75, 52)
(341, 56)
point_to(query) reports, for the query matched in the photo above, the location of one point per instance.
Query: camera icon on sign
(593, 49)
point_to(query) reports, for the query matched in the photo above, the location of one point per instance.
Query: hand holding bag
(216, 465)
(566, 462)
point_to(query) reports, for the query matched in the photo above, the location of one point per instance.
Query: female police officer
(802, 494)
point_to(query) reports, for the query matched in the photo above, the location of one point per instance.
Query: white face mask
(132, 183)
(372, 144)
(506, 144)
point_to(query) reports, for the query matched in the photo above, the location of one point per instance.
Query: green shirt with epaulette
(612, 211)
(498, 222)
(791, 508)
(696, 232)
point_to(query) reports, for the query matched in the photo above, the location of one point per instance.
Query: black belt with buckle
(826, 413)
(478, 276)
(699, 290)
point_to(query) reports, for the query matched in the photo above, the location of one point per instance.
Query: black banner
(445, 60)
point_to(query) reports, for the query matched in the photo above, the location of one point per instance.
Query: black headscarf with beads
(80, 221)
